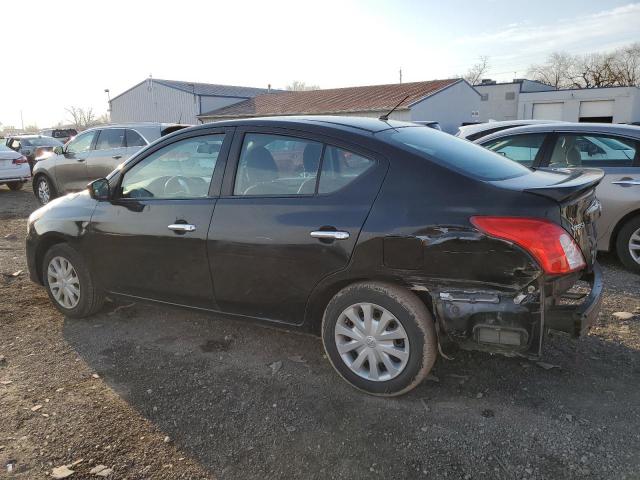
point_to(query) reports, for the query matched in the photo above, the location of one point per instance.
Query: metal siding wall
(156, 104)
(450, 107)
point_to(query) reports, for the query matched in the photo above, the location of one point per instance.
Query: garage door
(547, 111)
(596, 110)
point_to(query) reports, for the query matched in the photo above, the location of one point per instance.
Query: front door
(149, 241)
(291, 212)
(71, 166)
(619, 190)
(108, 154)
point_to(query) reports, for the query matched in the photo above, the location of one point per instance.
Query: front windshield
(451, 152)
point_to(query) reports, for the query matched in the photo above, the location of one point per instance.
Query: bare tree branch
(477, 71)
(298, 86)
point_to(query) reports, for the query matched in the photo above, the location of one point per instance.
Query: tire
(41, 185)
(628, 238)
(89, 299)
(15, 186)
(410, 319)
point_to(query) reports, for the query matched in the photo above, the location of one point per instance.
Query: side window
(341, 167)
(277, 165)
(82, 143)
(180, 170)
(520, 148)
(134, 139)
(14, 144)
(573, 150)
(110, 138)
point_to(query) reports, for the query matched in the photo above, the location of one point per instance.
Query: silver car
(612, 148)
(476, 131)
(92, 154)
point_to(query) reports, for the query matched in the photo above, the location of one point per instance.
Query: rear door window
(520, 148)
(134, 139)
(592, 150)
(110, 138)
(454, 153)
(341, 167)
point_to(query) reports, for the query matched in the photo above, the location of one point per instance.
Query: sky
(66, 53)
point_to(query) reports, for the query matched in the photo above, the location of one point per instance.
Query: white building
(450, 102)
(499, 101)
(610, 105)
(156, 100)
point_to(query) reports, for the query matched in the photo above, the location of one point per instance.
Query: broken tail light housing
(550, 244)
(20, 160)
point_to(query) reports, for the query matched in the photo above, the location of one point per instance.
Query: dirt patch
(237, 400)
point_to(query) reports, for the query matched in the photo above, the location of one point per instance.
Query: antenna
(385, 117)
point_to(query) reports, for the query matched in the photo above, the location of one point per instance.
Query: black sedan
(392, 241)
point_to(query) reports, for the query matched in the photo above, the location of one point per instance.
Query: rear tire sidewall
(622, 244)
(409, 311)
(90, 297)
(52, 192)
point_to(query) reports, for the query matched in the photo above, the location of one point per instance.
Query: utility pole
(21, 120)
(400, 74)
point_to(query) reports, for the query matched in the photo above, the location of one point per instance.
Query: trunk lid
(574, 191)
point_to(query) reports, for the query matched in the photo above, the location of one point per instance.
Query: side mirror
(59, 150)
(99, 189)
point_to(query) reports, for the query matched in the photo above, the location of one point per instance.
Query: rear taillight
(20, 161)
(549, 243)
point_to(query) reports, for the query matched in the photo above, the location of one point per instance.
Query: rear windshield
(40, 142)
(4, 148)
(451, 152)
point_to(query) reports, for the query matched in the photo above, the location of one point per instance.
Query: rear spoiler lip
(578, 182)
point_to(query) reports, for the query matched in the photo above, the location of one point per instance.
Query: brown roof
(334, 101)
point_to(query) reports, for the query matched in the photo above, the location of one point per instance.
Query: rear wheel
(69, 282)
(44, 189)
(14, 186)
(379, 337)
(628, 244)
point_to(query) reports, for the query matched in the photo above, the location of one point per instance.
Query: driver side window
(82, 143)
(180, 170)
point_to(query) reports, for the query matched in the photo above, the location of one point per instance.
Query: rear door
(619, 190)
(291, 211)
(108, 153)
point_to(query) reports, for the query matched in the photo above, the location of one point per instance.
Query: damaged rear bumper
(514, 323)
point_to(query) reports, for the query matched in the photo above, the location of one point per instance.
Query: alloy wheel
(372, 342)
(634, 245)
(63, 282)
(44, 193)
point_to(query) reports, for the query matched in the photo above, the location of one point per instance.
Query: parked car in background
(575, 146)
(61, 134)
(34, 147)
(367, 232)
(93, 154)
(429, 123)
(478, 130)
(14, 168)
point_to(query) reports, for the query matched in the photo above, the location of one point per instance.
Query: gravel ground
(157, 392)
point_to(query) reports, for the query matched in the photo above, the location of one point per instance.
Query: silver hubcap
(372, 342)
(43, 191)
(634, 245)
(63, 282)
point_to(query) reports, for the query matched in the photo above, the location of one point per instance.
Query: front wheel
(628, 244)
(44, 189)
(14, 186)
(69, 283)
(379, 337)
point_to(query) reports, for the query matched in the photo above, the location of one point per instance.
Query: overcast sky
(61, 53)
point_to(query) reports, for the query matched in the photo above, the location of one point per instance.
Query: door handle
(182, 227)
(626, 183)
(80, 159)
(329, 235)
(117, 157)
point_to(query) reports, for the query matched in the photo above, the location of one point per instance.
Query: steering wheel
(177, 185)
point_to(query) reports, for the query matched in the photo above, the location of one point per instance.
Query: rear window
(40, 142)
(451, 152)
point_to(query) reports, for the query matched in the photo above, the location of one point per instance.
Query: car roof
(29, 135)
(366, 124)
(606, 128)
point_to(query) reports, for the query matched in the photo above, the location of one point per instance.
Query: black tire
(413, 316)
(91, 297)
(632, 227)
(36, 188)
(15, 186)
